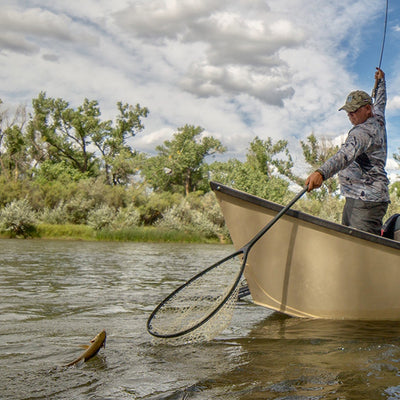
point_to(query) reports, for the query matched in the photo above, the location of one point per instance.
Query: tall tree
(262, 156)
(315, 153)
(180, 164)
(14, 160)
(225, 171)
(60, 133)
(111, 141)
(262, 173)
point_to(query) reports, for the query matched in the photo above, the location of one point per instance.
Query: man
(361, 161)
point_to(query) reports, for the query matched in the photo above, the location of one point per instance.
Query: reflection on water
(322, 359)
(55, 296)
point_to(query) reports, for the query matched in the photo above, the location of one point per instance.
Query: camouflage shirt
(361, 159)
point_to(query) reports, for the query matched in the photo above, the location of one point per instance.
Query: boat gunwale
(219, 187)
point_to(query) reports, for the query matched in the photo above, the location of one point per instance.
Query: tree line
(61, 164)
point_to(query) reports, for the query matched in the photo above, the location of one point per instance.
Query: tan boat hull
(307, 267)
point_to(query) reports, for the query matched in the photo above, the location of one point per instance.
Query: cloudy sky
(237, 68)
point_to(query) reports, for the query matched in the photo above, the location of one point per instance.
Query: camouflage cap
(355, 100)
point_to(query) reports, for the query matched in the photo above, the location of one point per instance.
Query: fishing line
(382, 48)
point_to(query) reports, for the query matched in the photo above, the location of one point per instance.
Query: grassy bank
(137, 234)
(149, 234)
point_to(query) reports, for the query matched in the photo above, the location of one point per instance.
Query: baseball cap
(355, 100)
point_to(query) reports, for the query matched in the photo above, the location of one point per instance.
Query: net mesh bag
(202, 308)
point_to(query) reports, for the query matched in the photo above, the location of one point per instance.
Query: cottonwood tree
(262, 173)
(315, 153)
(111, 141)
(14, 160)
(180, 164)
(59, 132)
(266, 165)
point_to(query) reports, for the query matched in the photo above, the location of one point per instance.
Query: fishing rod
(382, 48)
(384, 33)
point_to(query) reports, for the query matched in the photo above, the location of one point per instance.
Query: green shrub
(55, 216)
(18, 219)
(394, 205)
(12, 190)
(51, 194)
(154, 205)
(330, 209)
(126, 218)
(206, 219)
(78, 209)
(101, 217)
(59, 171)
(212, 210)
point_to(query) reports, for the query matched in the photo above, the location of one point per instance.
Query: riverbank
(136, 234)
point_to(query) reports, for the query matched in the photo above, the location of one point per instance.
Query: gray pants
(364, 215)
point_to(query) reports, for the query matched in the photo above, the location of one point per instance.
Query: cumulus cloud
(244, 46)
(15, 42)
(207, 80)
(22, 30)
(392, 165)
(234, 38)
(159, 19)
(394, 103)
(51, 57)
(237, 68)
(241, 49)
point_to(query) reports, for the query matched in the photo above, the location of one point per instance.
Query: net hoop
(211, 314)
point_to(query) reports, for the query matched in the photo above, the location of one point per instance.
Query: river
(57, 295)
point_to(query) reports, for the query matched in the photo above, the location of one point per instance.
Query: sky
(238, 68)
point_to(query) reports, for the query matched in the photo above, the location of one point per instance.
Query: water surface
(57, 295)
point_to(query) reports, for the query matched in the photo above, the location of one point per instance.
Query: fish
(97, 343)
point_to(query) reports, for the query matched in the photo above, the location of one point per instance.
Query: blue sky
(237, 68)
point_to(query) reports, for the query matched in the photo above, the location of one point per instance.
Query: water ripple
(56, 296)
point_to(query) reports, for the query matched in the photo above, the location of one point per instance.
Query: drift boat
(308, 267)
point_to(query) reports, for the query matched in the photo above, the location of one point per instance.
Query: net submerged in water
(201, 308)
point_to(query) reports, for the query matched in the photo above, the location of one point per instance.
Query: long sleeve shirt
(361, 160)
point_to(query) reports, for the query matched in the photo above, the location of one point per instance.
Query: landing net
(201, 308)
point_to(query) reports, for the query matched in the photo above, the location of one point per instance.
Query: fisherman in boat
(361, 161)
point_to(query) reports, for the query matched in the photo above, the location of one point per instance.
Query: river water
(57, 295)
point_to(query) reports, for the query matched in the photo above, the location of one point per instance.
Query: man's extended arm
(380, 99)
